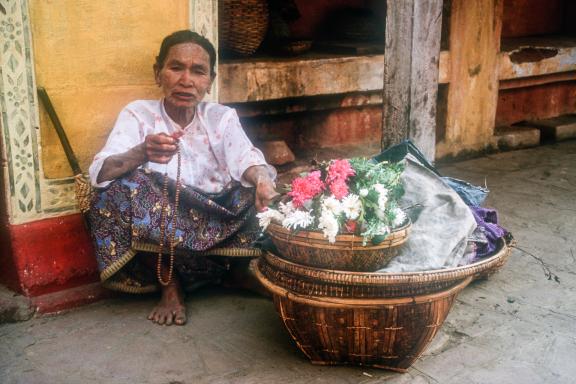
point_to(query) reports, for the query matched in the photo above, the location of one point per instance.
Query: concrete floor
(517, 327)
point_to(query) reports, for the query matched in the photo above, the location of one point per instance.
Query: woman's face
(185, 77)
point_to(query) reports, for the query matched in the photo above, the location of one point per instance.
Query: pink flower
(339, 189)
(305, 188)
(339, 170)
(351, 225)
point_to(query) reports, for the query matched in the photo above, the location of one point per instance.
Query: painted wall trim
(19, 106)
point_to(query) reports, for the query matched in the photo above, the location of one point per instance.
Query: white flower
(352, 206)
(383, 230)
(297, 219)
(382, 200)
(399, 217)
(264, 218)
(332, 205)
(381, 189)
(380, 214)
(329, 225)
(382, 195)
(286, 208)
(363, 192)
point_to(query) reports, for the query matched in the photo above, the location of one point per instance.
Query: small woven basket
(347, 253)
(84, 192)
(242, 25)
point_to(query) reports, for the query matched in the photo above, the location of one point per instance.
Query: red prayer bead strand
(164, 222)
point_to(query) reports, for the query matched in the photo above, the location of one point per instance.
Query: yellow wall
(93, 57)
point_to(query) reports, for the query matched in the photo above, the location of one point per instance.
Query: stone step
(557, 128)
(516, 137)
(14, 307)
(277, 152)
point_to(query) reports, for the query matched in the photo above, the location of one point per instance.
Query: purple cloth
(487, 220)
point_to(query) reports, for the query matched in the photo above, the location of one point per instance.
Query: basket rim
(322, 301)
(397, 236)
(386, 278)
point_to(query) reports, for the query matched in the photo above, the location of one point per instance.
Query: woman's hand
(265, 194)
(265, 190)
(160, 148)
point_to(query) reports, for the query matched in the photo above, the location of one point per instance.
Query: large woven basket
(388, 333)
(347, 253)
(242, 25)
(375, 319)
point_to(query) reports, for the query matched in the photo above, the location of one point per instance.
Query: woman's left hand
(258, 176)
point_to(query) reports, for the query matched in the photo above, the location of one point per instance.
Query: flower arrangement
(356, 196)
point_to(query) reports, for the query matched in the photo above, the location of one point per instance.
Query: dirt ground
(517, 327)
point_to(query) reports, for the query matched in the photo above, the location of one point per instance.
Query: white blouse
(214, 148)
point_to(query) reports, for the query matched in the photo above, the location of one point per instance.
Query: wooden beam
(260, 79)
(563, 59)
(424, 76)
(411, 58)
(397, 72)
(537, 80)
(309, 75)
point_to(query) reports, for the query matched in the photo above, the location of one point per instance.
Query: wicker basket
(303, 279)
(84, 192)
(242, 25)
(388, 333)
(375, 319)
(347, 253)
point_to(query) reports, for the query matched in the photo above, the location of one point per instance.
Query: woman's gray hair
(185, 36)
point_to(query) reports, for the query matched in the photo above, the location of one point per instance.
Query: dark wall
(533, 17)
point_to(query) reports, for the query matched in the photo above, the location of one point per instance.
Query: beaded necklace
(164, 223)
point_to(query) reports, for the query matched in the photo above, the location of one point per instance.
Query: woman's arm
(157, 148)
(259, 176)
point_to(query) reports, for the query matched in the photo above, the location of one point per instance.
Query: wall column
(475, 28)
(204, 20)
(19, 119)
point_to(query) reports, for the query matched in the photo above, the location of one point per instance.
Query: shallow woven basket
(375, 319)
(242, 25)
(347, 253)
(303, 279)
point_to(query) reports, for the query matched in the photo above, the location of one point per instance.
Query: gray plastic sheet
(441, 222)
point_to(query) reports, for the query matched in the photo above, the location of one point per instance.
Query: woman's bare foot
(171, 309)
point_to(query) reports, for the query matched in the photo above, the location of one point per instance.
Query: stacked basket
(242, 25)
(354, 316)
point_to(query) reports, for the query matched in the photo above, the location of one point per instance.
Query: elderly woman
(178, 184)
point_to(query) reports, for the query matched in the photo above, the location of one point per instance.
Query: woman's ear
(212, 77)
(156, 74)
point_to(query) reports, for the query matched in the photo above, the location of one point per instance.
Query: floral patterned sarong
(125, 222)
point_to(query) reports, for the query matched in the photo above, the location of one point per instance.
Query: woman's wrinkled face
(185, 77)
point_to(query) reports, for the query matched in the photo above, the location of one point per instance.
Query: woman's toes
(180, 317)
